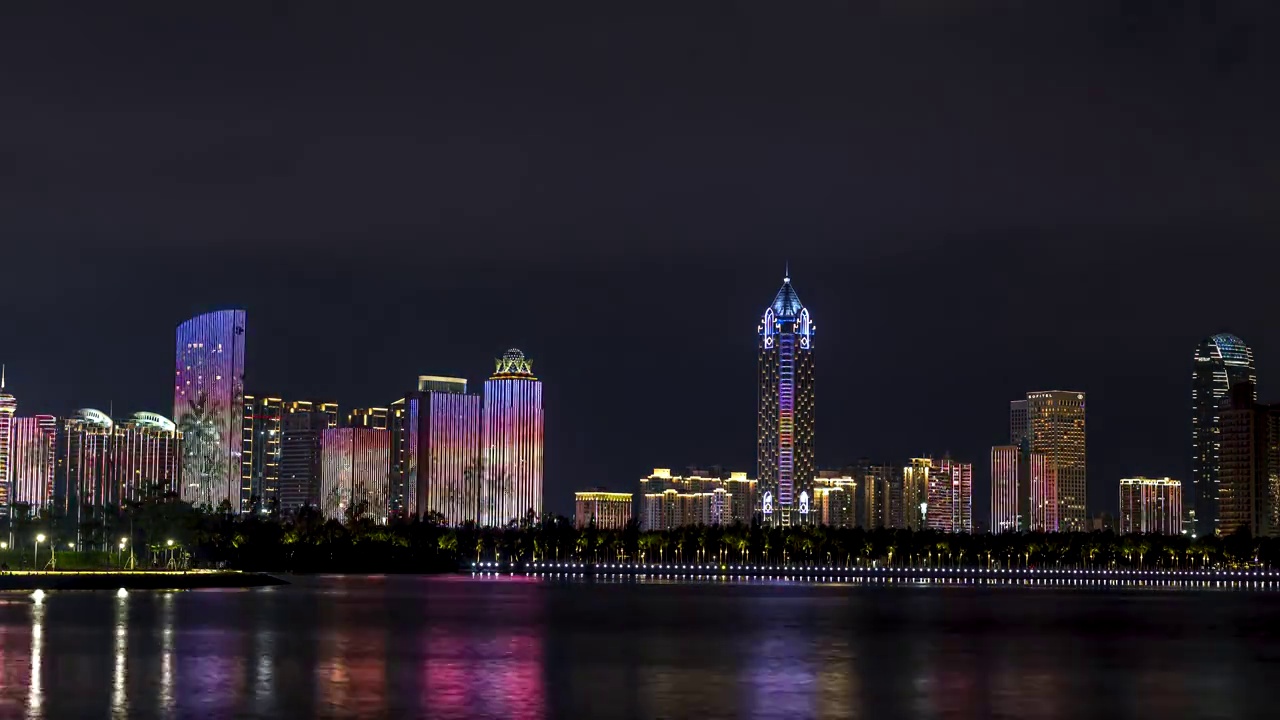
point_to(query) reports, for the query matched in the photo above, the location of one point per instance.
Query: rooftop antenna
(1, 377)
(786, 272)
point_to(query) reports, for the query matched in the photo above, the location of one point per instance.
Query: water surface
(460, 647)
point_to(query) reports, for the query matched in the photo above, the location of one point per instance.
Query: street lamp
(4, 545)
(35, 552)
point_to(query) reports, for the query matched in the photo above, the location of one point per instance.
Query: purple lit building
(32, 460)
(353, 468)
(208, 405)
(442, 451)
(512, 426)
(784, 425)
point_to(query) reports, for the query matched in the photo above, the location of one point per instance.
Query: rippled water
(522, 648)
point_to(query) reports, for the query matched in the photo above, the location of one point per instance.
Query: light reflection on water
(519, 648)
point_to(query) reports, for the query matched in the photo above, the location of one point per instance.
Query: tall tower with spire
(8, 408)
(784, 424)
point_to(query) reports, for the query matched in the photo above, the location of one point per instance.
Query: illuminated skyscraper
(8, 408)
(784, 424)
(86, 462)
(1248, 464)
(512, 427)
(353, 469)
(148, 458)
(262, 429)
(208, 405)
(442, 451)
(950, 497)
(1054, 426)
(915, 492)
(32, 460)
(1151, 505)
(1022, 494)
(300, 453)
(1220, 362)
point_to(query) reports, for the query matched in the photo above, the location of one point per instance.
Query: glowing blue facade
(1220, 362)
(784, 437)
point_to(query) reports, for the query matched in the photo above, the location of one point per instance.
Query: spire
(1, 377)
(786, 272)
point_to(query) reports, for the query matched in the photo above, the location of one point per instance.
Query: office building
(785, 409)
(1151, 505)
(299, 484)
(950, 497)
(207, 407)
(31, 461)
(1248, 464)
(606, 510)
(1220, 362)
(1052, 423)
(262, 429)
(444, 469)
(353, 472)
(512, 424)
(8, 409)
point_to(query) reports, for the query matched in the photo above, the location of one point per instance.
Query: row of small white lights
(953, 571)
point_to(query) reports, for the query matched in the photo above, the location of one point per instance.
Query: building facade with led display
(1022, 496)
(603, 509)
(207, 407)
(1220, 362)
(442, 438)
(950, 497)
(512, 427)
(353, 469)
(785, 410)
(1151, 505)
(32, 459)
(1052, 423)
(8, 409)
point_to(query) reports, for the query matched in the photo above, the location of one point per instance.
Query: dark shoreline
(138, 580)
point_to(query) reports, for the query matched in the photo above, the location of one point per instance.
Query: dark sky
(977, 198)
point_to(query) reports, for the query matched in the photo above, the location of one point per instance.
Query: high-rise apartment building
(875, 495)
(1248, 464)
(785, 409)
(1054, 426)
(147, 460)
(1220, 362)
(512, 426)
(915, 492)
(262, 429)
(1151, 505)
(353, 470)
(950, 497)
(606, 510)
(208, 398)
(835, 499)
(31, 461)
(8, 409)
(86, 461)
(1022, 494)
(444, 469)
(701, 497)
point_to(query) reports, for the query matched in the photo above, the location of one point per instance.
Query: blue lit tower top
(1220, 362)
(784, 437)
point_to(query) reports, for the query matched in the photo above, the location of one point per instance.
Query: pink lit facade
(1006, 504)
(8, 408)
(148, 458)
(1151, 505)
(1044, 494)
(354, 463)
(208, 406)
(950, 497)
(442, 452)
(512, 427)
(31, 460)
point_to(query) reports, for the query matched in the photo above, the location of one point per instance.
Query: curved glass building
(208, 406)
(784, 422)
(1220, 362)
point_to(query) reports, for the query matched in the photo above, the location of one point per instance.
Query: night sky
(976, 200)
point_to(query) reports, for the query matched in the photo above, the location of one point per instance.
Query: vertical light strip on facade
(1151, 505)
(353, 469)
(513, 442)
(32, 460)
(784, 431)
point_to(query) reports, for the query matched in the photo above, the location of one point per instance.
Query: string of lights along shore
(442, 452)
